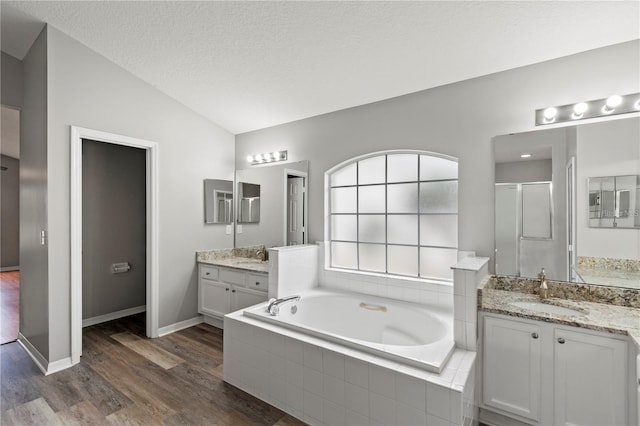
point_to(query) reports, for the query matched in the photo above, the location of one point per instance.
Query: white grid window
(395, 213)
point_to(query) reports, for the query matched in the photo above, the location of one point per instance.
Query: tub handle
(379, 308)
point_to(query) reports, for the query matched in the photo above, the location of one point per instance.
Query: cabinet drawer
(231, 277)
(208, 272)
(258, 282)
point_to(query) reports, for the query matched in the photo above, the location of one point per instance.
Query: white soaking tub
(414, 334)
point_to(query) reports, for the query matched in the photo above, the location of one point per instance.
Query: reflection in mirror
(614, 202)
(248, 202)
(218, 201)
(283, 205)
(574, 236)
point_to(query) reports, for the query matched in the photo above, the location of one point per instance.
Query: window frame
(418, 214)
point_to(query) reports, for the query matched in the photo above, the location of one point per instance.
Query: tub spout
(274, 304)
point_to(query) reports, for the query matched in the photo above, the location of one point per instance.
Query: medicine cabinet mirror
(614, 202)
(218, 201)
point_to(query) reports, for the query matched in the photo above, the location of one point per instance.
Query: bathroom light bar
(268, 157)
(612, 105)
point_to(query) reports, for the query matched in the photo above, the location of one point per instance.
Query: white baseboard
(45, 366)
(172, 328)
(113, 315)
(9, 268)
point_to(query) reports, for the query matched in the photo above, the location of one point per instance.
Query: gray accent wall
(113, 227)
(11, 81)
(10, 213)
(34, 256)
(87, 90)
(523, 171)
(458, 119)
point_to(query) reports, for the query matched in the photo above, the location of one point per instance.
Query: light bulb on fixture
(250, 158)
(611, 104)
(550, 114)
(579, 109)
(276, 155)
(267, 156)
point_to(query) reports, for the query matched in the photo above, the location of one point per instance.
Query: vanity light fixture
(268, 157)
(525, 155)
(613, 105)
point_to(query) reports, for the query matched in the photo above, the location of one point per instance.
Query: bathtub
(405, 332)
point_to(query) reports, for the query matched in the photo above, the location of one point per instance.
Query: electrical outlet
(228, 230)
(239, 229)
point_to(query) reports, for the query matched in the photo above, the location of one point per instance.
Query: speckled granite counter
(616, 319)
(618, 278)
(243, 258)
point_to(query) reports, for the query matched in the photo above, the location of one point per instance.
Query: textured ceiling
(250, 65)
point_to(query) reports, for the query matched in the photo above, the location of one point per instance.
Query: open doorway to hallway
(10, 223)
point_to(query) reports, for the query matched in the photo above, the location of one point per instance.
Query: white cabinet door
(590, 380)
(512, 367)
(243, 298)
(215, 297)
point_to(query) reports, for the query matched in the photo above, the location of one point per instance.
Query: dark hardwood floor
(9, 306)
(125, 378)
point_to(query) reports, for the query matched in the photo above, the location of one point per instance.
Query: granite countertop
(242, 258)
(624, 320)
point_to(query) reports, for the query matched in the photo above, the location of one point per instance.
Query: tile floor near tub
(324, 383)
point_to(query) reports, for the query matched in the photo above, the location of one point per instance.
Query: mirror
(614, 202)
(248, 202)
(218, 201)
(568, 200)
(282, 212)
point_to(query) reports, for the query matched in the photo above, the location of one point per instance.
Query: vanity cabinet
(223, 290)
(544, 373)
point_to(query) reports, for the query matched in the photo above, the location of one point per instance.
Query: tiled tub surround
(245, 258)
(608, 271)
(322, 382)
(608, 309)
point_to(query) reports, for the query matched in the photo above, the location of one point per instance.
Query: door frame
(152, 246)
(305, 176)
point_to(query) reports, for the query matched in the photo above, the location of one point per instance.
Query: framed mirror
(218, 201)
(581, 221)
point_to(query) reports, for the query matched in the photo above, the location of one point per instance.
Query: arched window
(395, 213)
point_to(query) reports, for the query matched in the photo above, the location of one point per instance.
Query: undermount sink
(547, 308)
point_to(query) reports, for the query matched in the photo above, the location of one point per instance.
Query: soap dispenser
(543, 290)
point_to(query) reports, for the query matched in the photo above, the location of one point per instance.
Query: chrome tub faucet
(274, 304)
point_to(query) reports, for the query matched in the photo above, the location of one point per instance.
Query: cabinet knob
(226, 289)
(534, 335)
(257, 282)
(561, 340)
(207, 273)
(233, 291)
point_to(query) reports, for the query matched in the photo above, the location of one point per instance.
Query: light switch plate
(239, 229)
(228, 229)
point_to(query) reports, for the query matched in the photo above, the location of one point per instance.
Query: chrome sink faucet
(543, 290)
(260, 255)
(274, 304)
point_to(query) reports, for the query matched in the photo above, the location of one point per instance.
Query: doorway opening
(121, 267)
(295, 207)
(10, 224)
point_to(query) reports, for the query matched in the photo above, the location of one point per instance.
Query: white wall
(606, 149)
(457, 119)
(87, 90)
